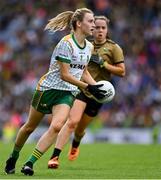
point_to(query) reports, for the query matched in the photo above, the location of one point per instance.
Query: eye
(91, 21)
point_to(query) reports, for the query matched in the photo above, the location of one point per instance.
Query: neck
(80, 38)
(99, 42)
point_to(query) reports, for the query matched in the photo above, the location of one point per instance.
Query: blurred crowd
(25, 50)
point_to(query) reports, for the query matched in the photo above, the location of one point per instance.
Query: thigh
(60, 114)
(77, 110)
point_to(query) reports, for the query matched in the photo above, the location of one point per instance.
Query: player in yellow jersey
(56, 89)
(107, 59)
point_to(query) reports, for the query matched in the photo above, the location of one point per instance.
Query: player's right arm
(66, 76)
(64, 56)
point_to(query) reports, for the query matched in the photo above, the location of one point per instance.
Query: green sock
(36, 154)
(16, 151)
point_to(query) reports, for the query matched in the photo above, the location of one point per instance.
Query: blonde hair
(67, 19)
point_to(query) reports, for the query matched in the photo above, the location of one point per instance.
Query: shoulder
(67, 37)
(89, 44)
(117, 47)
(110, 41)
(66, 41)
(114, 44)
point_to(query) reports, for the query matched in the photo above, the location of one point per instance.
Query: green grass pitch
(96, 161)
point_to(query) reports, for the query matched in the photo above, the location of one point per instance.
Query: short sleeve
(64, 51)
(118, 54)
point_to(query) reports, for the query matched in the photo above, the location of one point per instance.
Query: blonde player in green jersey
(56, 89)
(107, 59)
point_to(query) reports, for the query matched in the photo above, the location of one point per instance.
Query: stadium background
(25, 50)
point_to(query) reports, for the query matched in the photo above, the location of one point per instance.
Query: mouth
(100, 35)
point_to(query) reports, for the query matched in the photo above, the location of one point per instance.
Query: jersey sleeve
(64, 52)
(118, 54)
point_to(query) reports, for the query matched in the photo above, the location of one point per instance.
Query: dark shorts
(92, 107)
(43, 101)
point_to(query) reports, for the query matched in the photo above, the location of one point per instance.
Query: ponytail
(67, 19)
(60, 22)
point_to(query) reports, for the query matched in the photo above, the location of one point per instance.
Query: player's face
(100, 32)
(87, 25)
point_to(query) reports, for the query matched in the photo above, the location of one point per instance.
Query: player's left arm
(86, 77)
(118, 68)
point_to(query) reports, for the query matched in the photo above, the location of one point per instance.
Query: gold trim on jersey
(40, 81)
(67, 38)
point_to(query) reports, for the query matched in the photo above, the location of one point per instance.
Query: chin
(89, 34)
(100, 39)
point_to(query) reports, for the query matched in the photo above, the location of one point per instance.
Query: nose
(94, 26)
(100, 29)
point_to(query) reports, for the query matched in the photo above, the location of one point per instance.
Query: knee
(55, 128)
(72, 124)
(28, 129)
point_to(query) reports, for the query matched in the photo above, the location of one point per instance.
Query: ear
(78, 23)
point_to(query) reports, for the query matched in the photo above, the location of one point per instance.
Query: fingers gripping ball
(96, 91)
(110, 91)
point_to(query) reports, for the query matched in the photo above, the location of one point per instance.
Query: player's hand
(97, 59)
(95, 91)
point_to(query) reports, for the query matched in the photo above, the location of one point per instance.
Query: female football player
(56, 89)
(107, 59)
